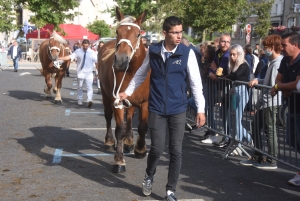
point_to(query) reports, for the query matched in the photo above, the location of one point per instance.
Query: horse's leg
(55, 86)
(48, 86)
(58, 85)
(140, 147)
(119, 163)
(108, 113)
(128, 140)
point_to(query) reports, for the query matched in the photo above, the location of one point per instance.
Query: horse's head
(56, 43)
(128, 39)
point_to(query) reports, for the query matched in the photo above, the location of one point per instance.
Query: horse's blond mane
(128, 19)
(59, 38)
(108, 53)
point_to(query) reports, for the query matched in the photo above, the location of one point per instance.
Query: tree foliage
(136, 7)
(7, 16)
(100, 28)
(51, 11)
(263, 23)
(204, 16)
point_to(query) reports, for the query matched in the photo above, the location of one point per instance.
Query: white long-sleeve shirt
(90, 60)
(193, 74)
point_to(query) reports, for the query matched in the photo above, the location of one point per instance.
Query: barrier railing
(271, 127)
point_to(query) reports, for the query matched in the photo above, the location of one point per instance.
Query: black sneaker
(223, 143)
(265, 165)
(147, 185)
(170, 197)
(205, 136)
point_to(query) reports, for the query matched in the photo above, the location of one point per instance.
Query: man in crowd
(86, 59)
(167, 100)
(15, 53)
(286, 81)
(221, 61)
(267, 105)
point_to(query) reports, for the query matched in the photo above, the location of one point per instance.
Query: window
(291, 22)
(242, 33)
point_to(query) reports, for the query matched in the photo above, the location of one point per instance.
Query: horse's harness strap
(55, 48)
(117, 102)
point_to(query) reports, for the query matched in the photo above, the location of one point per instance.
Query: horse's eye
(138, 35)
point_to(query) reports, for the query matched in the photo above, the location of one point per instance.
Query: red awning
(72, 31)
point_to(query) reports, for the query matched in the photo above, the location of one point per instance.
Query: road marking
(89, 129)
(67, 112)
(74, 84)
(87, 112)
(180, 200)
(72, 93)
(58, 154)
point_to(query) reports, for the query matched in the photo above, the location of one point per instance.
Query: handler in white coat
(86, 58)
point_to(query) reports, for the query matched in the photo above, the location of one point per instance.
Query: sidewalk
(27, 65)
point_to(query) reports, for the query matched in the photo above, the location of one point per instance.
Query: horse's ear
(141, 18)
(119, 14)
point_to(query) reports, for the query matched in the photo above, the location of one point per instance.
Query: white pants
(89, 86)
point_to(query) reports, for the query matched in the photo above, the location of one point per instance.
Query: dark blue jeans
(159, 126)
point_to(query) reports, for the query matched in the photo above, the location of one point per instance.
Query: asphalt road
(55, 152)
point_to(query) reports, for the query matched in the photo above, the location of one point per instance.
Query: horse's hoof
(127, 148)
(140, 155)
(109, 147)
(57, 101)
(118, 168)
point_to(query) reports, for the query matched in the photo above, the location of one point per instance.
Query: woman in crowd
(239, 71)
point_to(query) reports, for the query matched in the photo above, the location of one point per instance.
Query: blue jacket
(221, 60)
(168, 80)
(11, 49)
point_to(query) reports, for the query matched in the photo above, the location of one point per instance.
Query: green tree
(263, 12)
(51, 11)
(136, 7)
(7, 16)
(99, 27)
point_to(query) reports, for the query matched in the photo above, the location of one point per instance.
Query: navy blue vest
(168, 80)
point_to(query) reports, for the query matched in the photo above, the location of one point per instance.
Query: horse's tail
(42, 72)
(40, 69)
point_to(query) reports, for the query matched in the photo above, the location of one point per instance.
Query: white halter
(117, 103)
(54, 47)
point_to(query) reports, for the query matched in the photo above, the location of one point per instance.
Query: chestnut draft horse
(49, 52)
(118, 61)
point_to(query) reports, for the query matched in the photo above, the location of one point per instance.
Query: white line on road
(180, 200)
(68, 112)
(89, 129)
(58, 154)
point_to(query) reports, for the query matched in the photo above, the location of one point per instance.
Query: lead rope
(117, 103)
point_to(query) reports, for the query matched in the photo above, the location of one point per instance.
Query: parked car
(105, 40)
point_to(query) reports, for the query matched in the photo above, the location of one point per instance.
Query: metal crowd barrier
(226, 118)
(3, 58)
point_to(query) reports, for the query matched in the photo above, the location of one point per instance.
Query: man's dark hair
(248, 49)
(85, 41)
(293, 38)
(171, 22)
